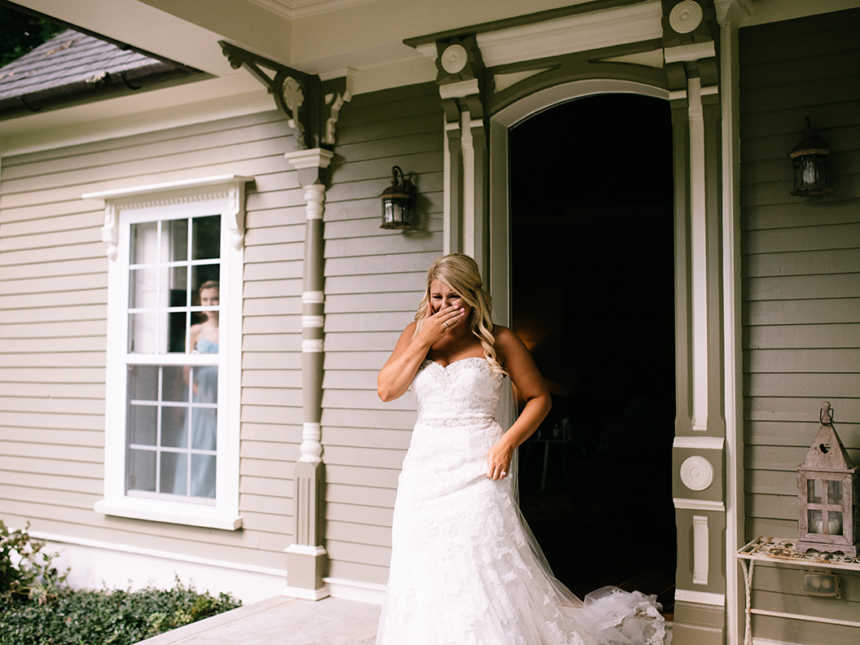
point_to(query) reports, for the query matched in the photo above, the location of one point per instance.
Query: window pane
(143, 332)
(204, 423)
(202, 276)
(178, 286)
(204, 420)
(203, 475)
(815, 520)
(174, 472)
(142, 420)
(143, 288)
(143, 382)
(205, 383)
(834, 523)
(834, 492)
(174, 426)
(206, 242)
(141, 470)
(175, 383)
(177, 331)
(815, 491)
(143, 243)
(176, 231)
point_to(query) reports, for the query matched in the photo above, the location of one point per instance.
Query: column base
(698, 624)
(305, 565)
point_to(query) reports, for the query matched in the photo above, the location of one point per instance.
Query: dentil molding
(229, 188)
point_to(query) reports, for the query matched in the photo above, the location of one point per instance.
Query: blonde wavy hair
(461, 274)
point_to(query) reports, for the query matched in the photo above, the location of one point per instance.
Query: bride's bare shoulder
(502, 334)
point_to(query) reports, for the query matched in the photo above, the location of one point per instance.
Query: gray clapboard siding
(786, 433)
(801, 288)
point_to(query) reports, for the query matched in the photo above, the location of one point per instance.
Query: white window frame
(224, 194)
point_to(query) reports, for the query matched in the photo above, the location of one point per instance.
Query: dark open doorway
(593, 298)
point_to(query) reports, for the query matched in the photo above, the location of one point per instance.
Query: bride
(465, 568)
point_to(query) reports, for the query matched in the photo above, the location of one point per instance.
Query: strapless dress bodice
(462, 392)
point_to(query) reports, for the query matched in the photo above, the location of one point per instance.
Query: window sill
(159, 511)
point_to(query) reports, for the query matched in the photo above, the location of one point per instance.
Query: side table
(782, 551)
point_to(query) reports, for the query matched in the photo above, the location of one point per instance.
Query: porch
(282, 620)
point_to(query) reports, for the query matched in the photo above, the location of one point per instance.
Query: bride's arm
(395, 376)
(529, 383)
(411, 349)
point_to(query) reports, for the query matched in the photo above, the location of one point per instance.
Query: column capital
(310, 163)
(731, 10)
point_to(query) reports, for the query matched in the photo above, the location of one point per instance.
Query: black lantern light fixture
(398, 202)
(810, 158)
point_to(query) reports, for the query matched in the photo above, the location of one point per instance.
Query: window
(173, 355)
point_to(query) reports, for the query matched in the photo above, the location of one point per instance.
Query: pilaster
(729, 15)
(306, 558)
(699, 448)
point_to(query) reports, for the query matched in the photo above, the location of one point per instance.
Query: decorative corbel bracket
(463, 80)
(312, 105)
(689, 33)
(110, 230)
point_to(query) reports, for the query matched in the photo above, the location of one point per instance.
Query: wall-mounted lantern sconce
(398, 202)
(811, 176)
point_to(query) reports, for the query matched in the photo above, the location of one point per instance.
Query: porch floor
(282, 620)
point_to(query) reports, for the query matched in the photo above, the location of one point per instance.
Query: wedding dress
(465, 567)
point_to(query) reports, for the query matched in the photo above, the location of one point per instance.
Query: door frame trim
(499, 278)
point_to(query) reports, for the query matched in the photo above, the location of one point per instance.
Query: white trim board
(118, 565)
(95, 563)
(700, 597)
(568, 34)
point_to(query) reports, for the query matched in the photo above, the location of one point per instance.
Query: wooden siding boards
(53, 297)
(801, 289)
(373, 282)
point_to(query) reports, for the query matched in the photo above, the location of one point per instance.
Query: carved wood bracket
(312, 105)
(463, 80)
(689, 32)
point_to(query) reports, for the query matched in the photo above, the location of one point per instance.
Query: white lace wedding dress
(465, 568)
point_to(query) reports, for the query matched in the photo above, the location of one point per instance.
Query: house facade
(263, 462)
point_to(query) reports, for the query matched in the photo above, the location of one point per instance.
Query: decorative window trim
(224, 194)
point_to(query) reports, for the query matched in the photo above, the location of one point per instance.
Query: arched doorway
(601, 200)
(592, 280)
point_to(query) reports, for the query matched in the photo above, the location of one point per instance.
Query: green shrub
(38, 608)
(33, 576)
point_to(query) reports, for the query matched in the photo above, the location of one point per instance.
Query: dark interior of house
(593, 300)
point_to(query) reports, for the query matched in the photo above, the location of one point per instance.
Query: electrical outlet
(821, 584)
